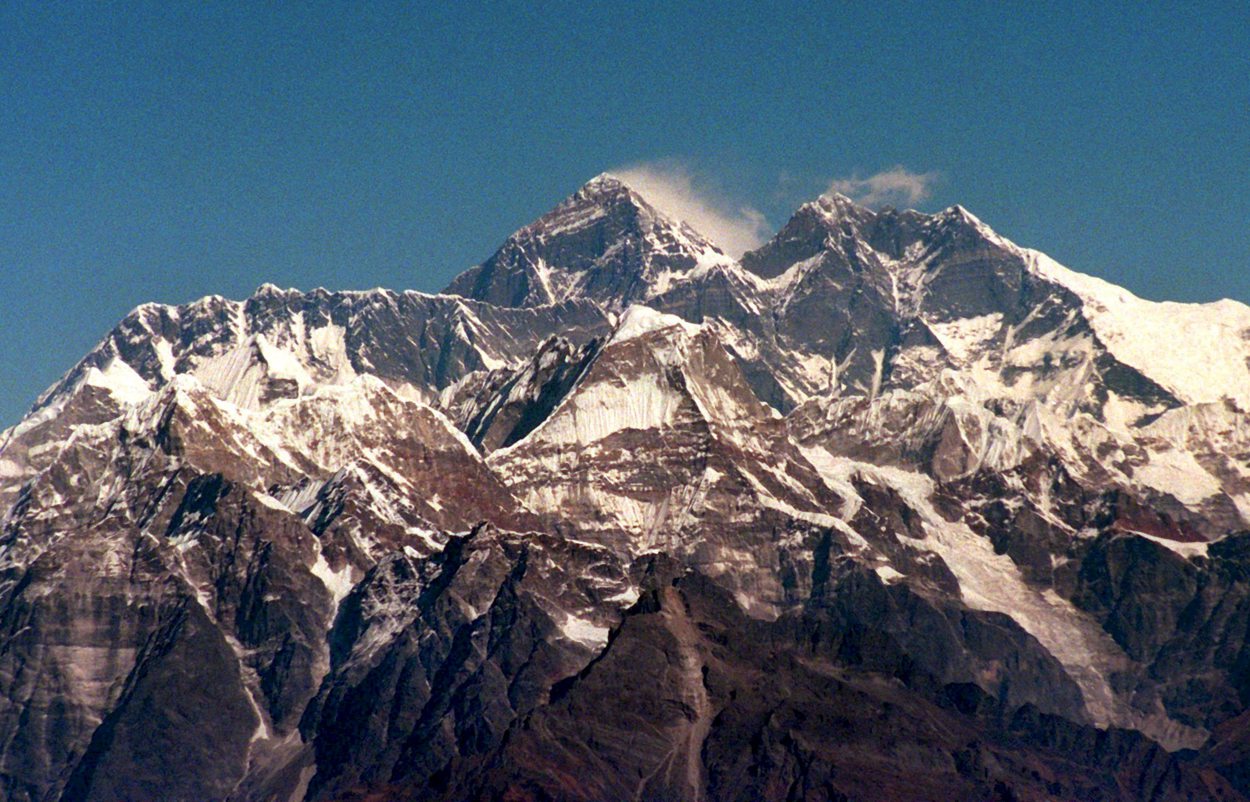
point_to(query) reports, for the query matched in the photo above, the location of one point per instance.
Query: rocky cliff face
(889, 508)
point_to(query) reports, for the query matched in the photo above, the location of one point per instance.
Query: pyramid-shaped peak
(608, 202)
(604, 195)
(959, 213)
(612, 193)
(651, 203)
(815, 227)
(837, 207)
(610, 189)
(604, 184)
(829, 213)
(957, 219)
(604, 242)
(604, 189)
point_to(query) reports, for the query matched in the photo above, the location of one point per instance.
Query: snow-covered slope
(667, 388)
(1200, 352)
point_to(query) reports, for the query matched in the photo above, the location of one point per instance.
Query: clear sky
(166, 151)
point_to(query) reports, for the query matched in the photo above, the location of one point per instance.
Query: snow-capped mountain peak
(835, 206)
(604, 242)
(607, 187)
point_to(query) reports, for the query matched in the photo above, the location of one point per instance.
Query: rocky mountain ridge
(888, 506)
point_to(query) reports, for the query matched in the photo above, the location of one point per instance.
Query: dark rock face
(131, 640)
(134, 748)
(1177, 617)
(506, 405)
(733, 708)
(469, 642)
(889, 509)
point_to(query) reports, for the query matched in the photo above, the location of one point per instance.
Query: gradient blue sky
(167, 151)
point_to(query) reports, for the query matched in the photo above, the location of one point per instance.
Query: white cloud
(897, 186)
(671, 188)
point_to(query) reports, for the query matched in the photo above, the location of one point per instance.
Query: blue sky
(167, 151)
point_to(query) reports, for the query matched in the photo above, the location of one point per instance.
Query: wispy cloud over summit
(674, 189)
(896, 186)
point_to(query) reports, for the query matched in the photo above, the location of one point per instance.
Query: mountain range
(888, 508)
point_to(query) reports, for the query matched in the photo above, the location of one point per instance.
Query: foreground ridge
(889, 508)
